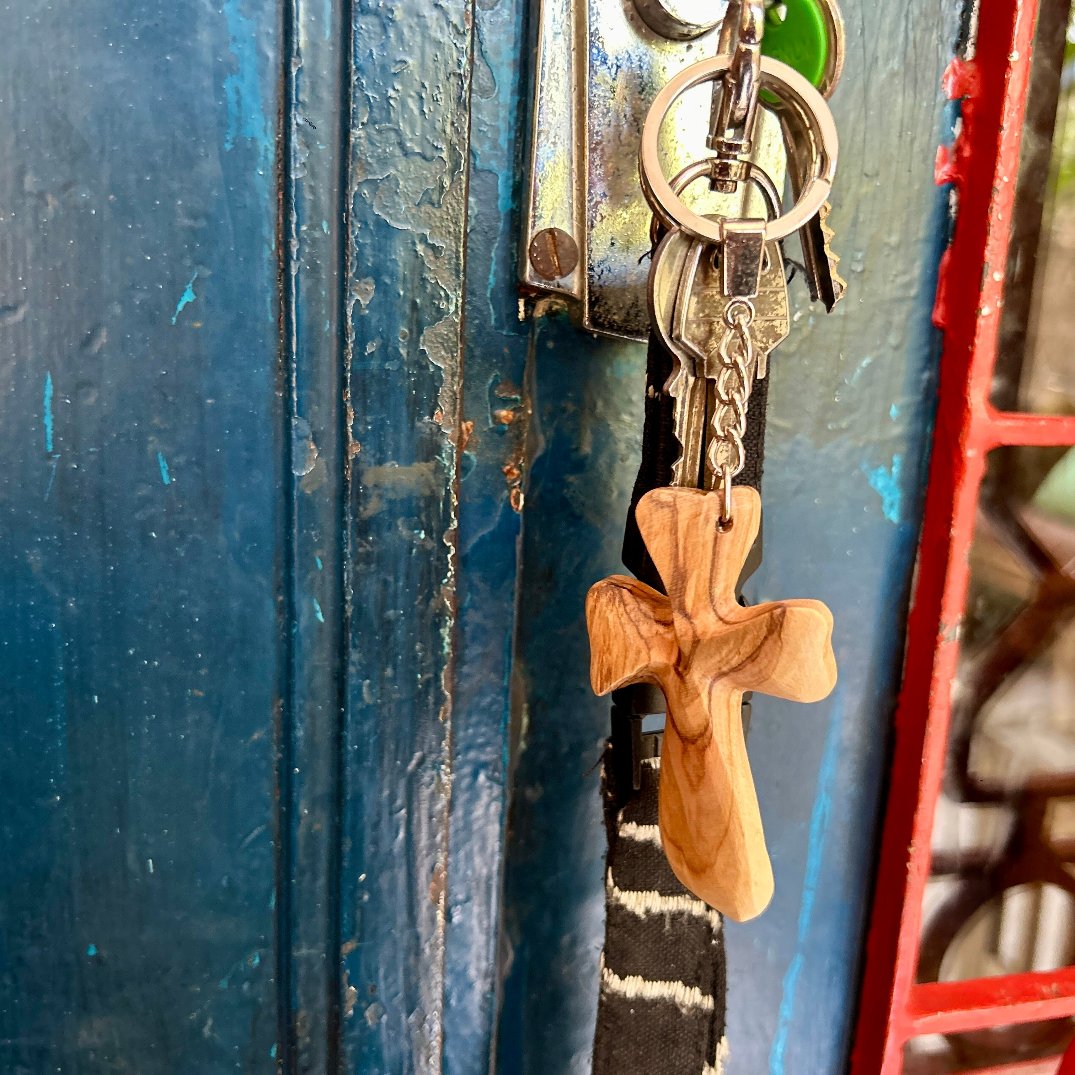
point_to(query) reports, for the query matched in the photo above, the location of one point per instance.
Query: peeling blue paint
(166, 476)
(320, 565)
(91, 950)
(886, 482)
(317, 611)
(819, 827)
(186, 298)
(47, 412)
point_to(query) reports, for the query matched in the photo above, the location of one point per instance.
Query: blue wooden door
(297, 769)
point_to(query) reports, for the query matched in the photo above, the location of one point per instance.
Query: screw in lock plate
(553, 254)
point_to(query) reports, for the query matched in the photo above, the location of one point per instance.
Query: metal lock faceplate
(586, 223)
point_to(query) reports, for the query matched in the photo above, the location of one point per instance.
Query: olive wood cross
(704, 649)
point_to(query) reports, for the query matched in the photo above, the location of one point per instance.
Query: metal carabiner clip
(735, 97)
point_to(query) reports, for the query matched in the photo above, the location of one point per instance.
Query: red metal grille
(983, 167)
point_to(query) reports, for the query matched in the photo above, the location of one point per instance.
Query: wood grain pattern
(704, 650)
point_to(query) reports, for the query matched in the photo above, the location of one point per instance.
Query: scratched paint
(185, 299)
(407, 204)
(887, 483)
(53, 466)
(496, 410)
(248, 107)
(46, 410)
(162, 464)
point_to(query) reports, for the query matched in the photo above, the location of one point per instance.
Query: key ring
(793, 89)
(699, 170)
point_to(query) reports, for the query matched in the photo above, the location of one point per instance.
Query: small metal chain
(734, 381)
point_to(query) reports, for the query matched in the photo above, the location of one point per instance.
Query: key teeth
(839, 284)
(675, 386)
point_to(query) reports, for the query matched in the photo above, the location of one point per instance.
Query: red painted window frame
(983, 166)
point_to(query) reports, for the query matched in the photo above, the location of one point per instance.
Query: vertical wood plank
(496, 409)
(139, 539)
(315, 597)
(408, 196)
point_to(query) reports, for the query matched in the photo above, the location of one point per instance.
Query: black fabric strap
(661, 1009)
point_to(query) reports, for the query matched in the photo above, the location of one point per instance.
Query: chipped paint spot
(466, 431)
(350, 997)
(186, 298)
(320, 565)
(47, 413)
(894, 411)
(438, 884)
(391, 482)
(166, 476)
(317, 610)
(91, 950)
(304, 452)
(364, 290)
(885, 481)
(440, 342)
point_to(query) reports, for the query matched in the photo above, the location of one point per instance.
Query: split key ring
(794, 92)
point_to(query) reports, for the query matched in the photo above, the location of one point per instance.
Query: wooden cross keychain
(719, 303)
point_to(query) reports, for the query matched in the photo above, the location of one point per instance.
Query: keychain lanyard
(684, 829)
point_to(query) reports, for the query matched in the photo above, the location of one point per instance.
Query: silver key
(819, 259)
(675, 265)
(697, 322)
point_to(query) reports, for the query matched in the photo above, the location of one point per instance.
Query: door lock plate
(586, 223)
